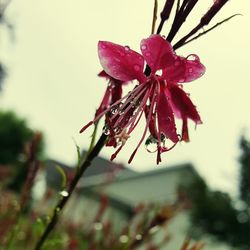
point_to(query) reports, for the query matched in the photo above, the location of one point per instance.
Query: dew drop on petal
(103, 46)
(148, 54)
(190, 70)
(182, 80)
(159, 72)
(143, 47)
(127, 48)
(177, 63)
(136, 67)
(193, 57)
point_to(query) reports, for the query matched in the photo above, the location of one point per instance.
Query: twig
(181, 43)
(65, 197)
(154, 16)
(165, 14)
(205, 20)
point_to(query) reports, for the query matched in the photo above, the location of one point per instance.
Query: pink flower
(159, 95)
(112, 94)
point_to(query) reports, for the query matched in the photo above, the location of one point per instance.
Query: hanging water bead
(106, 130)
(151, 144)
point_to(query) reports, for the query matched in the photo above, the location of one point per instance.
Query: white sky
(52, 78)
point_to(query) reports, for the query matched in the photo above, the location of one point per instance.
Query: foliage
(215, 213)
(244, 185)
(14, 133)
(14, 137)
(22, 230)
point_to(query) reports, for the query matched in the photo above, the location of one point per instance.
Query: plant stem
(62, 202)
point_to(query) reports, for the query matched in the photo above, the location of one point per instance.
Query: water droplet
(163, 137)
(123, 238)
(143, 47)
(106, 130)
(154, 229)
(113, 110)
(58, 209)
(103, 46)
(64, 193)
(159, 72)
(138, 237)
(151, 144)
(121, 112)
(98, 226)
(177, 63)
(190, 70)
(182, 80)
(193, 57)
(127, 48)
(136, 67)
(148, 54)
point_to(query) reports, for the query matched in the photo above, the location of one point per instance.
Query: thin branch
(165, 14)
(180, 17)
(179, 44)
(154, 16)
(205, 20)
(60, 205)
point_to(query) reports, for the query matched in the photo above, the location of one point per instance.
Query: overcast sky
(53, 81)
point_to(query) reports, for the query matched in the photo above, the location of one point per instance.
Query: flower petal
(184, 69)
(112, 94)
(182, 105)
(121, 62)
(157, 52)
(166, 122)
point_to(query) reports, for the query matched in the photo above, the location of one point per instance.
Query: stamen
(113, 156)
(140, 109)
(128, 108)
(146, 127)
(122, 137)
(108, 109)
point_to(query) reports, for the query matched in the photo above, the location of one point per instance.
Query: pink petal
(184, 69)
(112, 94)
(121, 62)
(166, 122)
(157, 52)
(105, 101)
(103, 74)
(182, 105)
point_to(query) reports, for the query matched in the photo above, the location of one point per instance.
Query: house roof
(99, 168)
(126, 174)
(125, 188)
(155, 186)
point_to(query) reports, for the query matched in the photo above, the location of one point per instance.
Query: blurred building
(115, 191)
